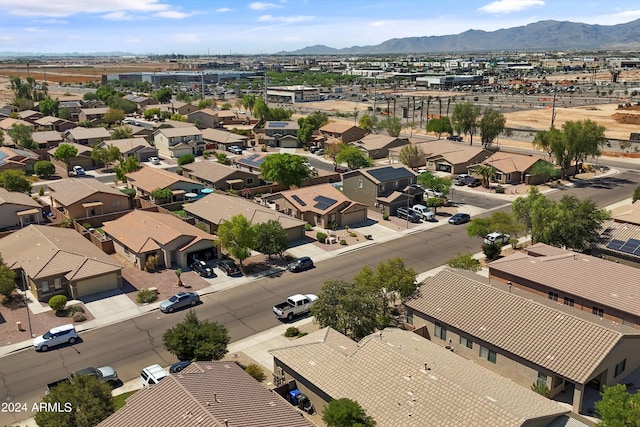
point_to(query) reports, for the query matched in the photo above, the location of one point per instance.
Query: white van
(152, 375)
(424, 212)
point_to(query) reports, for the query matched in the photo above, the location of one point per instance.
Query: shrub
(321, 237)
(499, 190)
(385, 217)
(343, 242)
(491, 250)
(57, 302)
(187, 158)
(308, 227)
(79, 317)
(86, 225)
(41, 191)
(152, 263)
(541, 389)
(206, 154)
(264, 148)
(291, 331)
(255, 371)
(71, 310)
(145, 296)
(302, 334)
(352, 234)
(44, 168)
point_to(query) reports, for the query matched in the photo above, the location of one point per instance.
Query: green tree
(161, 194)
(90, 96)
(346, 413)
(636, 195)
(553, 142)
(392, 125)
(44, 168)
(57, 302)
(7, 280)
(285, 169)
(223, 158)
(440, 126)
(353, 157)
(130, 164)
(618, 408)
(465, 119)
(163, 95)
(271, 238)
(545, 169)
(49, 107)
(65, 113)
(105, 155)
(502, 222)
(248, 101)
(86, 124)
(367, 122)
(14, 180)
(437, 183)
(196, 339)
(465, 262)
(305, 132)
(435, 203)
(491, 125)
(487, 173)
(185, 159)
(412, 156)
(151, 112)
(237, 236)
(117, 102)
(178, 117)
(84, 401)
(65, 152)
(1, 137)
(491, 250)
(114, 116)
(206, 103)
(122, 132)
(583, 139)
(522, 209)
(21, 135)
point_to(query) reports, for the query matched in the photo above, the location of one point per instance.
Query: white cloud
(509, 6)
(171, 14)
(34, 29)
(286, 19)
(118, 16)
(377, 24)
(258, 5)
(62, 8)
(53, 21)
(224, 10)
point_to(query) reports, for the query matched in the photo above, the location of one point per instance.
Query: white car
(430, 192)
(56, 336)
(497, 237)
(154, 160)
(79, 171)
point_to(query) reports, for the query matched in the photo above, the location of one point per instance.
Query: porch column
(578, 394)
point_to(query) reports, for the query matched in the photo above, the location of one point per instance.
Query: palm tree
(486, 172)
(448, 104)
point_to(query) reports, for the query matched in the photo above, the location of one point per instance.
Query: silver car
(106, 374)
(179, 300)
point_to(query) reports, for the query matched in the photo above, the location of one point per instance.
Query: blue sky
(254, 27)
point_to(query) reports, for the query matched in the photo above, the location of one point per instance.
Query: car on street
(462, 179)
(179, 300)
(497, 237)
(430, 192)
(234, 149)
(474, 182)
(56, 336)
(454, 138)
(202, 269)
(319, 152)
(106, 374)
(229, 267)
(152, 375)
(460, 218)
(313, 149)
(79, 171)
(154, 160)
(179, 366)
(300, 264)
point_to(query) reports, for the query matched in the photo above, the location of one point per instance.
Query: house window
(45, 286)
(569, 301)
(249, 181)
(360, 183)
(57, 283)
(410, 316)
(487, 354)
(620, 367)
(396, 184)
(466, 342)
(598, 311)
(381, 187)
(553, 296)
(542, 379)
(440, 331)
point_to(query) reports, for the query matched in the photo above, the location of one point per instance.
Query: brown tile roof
(142, 231)
(449, 151)
(304, 198)
(128, 144)
(73, 190)
(511, 162)
(213, 171)
(216, 208)
(338, 127)
(16, 155)
(217, 135)
(376, 141)
(99, 111)
(554, 338)
(181, 131)
(46, 136)
(576, 274)
(630, 215)
(7, 123)
(150, 179)
(206, 394)
(89, 133)
(385, 372)
(82, 149)
(17, 198)
(42, 251)
(49, 120)
(206, 111)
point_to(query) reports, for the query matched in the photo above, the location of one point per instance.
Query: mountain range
(542, 35)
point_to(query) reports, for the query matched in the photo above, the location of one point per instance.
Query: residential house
(207, 394)
(47, 139)
(140, 234)
(8, 123)
(322, 205)
(281, 134)
(94, 115)
(445, 156)
(205, 118)
(82, 157)
(30, 115)
(252, 162)
(513, 168)
(620, 236)
(87, 136)
(56, 260)
(86, 197)
(175, 107)
(377, 146)
(55, 123)
(218, 139)
(72, 106)
(575, 280)
(214, 209)
(7, 109)
(176, 142)
(383, 187)
(401, 379)
(343, 131)
(18, 210)
(141, 101)
(221, 177)
(133, 147)
(522, 336)
(140, 131)
(147, 179)
(17, 159)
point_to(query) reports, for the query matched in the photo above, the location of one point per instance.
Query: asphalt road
(133, 344)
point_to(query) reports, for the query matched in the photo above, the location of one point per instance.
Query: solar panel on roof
(323, 202)
(277, 124)
(299, 200)
(628, 248)
(634, 242)
(637, 251)
(390, 173)
(615, 244)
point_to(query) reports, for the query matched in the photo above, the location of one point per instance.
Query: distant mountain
(542, 35)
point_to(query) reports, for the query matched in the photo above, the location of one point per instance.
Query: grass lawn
(181, 213)
(119, 399)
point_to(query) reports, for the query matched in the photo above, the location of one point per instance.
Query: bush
(79, 317)
(291, 331)
(187, 158)
(206, 154)
(352, 234)
(343, 242)
(500, 190)
(302, 334)
(57, 302)
(86, 225)
(321, 237)
(491, 250)
(152, 263)
(541, 389)
(256, 372)
(308, 227)
(71, 310)
(145, 296)
(44, 168)
(41, 191)
(385, 217)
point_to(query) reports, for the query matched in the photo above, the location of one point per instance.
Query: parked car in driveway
(79, 171)
(106, 374)
(430, 192)
(424, 212)
(56, 336)
(497, 237)
(154, 160)
(229, 267)
(300, 264)
(179, 300)
(152, 375)
(460, 218)
(319, 152)
(474, 182)
(234, 149)
(408, 214)
(202, 269)
(462, 179)
(179, 366)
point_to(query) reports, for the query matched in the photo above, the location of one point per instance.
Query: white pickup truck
(295, 305)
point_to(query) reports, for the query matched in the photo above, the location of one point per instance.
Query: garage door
(295, 233)
(97, 284)
(354, 217)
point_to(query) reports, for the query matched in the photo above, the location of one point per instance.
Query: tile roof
(46, 136)
(511, 162)
(453, 153)
(17, 198)
(150, 179)
(89, 133)
(49, 120)
(128, 144)
(99, 111)
(556, 339)
(320, 198)
(337, 127)
(42, 251)
(376, 141)
(73, 190)
(181, 131)
(631, 215)
(223, 136)
(385, 372)
(217, 208)
(579, 275)
(207, 394)
(206, 111)
(213, 171)
(142, 231)
(7, 123)
(82, 149)
(622, 231)
(28, 113)
(15, 155)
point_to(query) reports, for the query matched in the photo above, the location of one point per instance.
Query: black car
(313, 149)
(454, 138)
(460, 218)
(179, 366)
(229, 267)
(476, 182)
(202, 269)
(300, 264)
